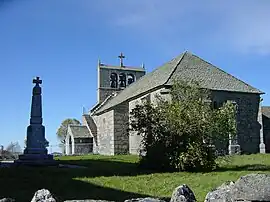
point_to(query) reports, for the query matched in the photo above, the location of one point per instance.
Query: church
(121, 88)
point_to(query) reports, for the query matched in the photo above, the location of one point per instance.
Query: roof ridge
(104, 102)
(180, 60)
(226, 72)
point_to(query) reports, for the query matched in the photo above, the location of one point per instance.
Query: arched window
(122, 80)
(113, 80)
(130, 79)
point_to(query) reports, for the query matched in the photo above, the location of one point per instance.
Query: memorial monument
(36, 152)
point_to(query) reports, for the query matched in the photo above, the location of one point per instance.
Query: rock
(252, 187)
(7, 200)
(87, 200)
(144, 200)
(183, 194)
(43, 195)
(221, 194)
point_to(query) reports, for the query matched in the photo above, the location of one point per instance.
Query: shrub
(178, 134)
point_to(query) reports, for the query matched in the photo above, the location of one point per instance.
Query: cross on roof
(37, 81)
(121, 56)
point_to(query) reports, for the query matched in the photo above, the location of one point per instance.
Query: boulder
(43, 195)
(221, 194)
(7, 200)
(144, 200)
(252, 187)
(87, 200)
(183, 194)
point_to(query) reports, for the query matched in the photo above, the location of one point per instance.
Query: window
(113, 80)
(130, 79)
(122, 80)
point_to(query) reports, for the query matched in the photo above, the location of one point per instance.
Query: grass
(118, 178)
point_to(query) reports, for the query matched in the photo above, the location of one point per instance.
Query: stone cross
(121, 56)
(37, 81)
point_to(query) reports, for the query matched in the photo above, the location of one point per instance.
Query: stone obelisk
(35, 152)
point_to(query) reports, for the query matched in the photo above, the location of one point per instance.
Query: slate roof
(99, 105)
(185, 67)
(91, 124)
(266, 111)
(79, 131)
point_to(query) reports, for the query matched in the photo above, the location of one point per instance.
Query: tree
(181, 131)
(14, 147)
(62, 130)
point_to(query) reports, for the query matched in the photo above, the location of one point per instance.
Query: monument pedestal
(36, 160)
(262, 148)
(234, 149)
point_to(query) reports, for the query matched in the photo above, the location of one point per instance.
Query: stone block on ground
(144, 200)
(183, 194)
(88, 200)
(252, 187)
(7, 200)
(221, 193)
(43, 195)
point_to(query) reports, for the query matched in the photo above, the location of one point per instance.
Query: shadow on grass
(21, 183)
(248, 167)
(99, 167)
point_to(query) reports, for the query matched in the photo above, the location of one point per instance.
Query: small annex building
(78, 140)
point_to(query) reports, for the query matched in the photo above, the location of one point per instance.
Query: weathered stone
(183, 194)
(221, 194)
(7, 200)
(35, 152)
(144, 200)
(87, 200)
(43, 195)
(252, 187)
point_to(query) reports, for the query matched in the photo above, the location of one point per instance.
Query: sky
(61, 42)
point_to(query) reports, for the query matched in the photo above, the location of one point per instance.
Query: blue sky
(61, 41)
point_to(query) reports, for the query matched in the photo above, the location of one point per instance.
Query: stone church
(121, 88)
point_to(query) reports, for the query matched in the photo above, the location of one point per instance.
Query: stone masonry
(105, 129)
(111, 114)
(248, 127)
(121, 136)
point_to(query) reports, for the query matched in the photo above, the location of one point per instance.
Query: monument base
(234, 149)
(36, 160)
(262, 148)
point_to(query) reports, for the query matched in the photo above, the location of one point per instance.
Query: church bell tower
(113, 79)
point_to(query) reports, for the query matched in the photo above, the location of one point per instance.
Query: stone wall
(95, 140)
(83, 145)
(105, 131)
(121, 137)
(112, 132)
(248, 127)
(266, 133)
(134, 138)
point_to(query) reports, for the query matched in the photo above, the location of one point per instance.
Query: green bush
(178, 133)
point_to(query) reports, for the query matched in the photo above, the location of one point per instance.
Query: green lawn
(118, 178)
